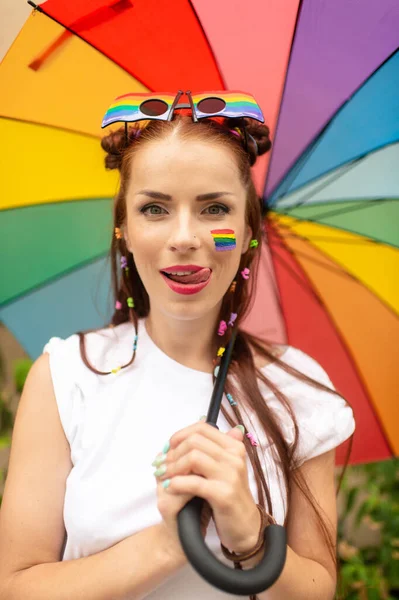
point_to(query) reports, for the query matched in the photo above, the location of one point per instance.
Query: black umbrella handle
(233, 581)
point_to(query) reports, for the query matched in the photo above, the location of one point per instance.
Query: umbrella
(327, 281)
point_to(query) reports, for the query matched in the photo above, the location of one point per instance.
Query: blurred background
(326, 75)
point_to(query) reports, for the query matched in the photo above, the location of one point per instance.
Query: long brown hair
(121, 148)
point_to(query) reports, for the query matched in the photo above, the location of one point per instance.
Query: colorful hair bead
(222, 328)
(221, 351)
(118, 305)
(252, 439)
(233, 317)
(130, 302)
(224, 239)
(231, 400)
(118, 233)
(253, 244)
(116, 370)
(136, 337)
(233, 286)
(123, 262)
(245, 273)
(216, 370)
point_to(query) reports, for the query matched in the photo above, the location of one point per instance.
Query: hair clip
(233, 286)
(253, 244)
(130, 302)
(118, 305)
(221, 351)
(222, 328)
(231, 400)
(233, 317)
(236, 131)
(118, 233)
(252, 439)
(245, 273)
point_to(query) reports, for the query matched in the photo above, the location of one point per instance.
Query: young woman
(83, 515)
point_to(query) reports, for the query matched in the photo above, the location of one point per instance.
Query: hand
(204, 462)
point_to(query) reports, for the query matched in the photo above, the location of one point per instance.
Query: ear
(247, 239)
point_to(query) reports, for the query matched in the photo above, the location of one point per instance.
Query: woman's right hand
(169, 505)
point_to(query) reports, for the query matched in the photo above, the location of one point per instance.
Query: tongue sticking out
(197, 277)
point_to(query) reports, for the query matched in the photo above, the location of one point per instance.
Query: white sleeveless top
(116, 424)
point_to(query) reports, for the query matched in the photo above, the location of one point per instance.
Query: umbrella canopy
(328, 278)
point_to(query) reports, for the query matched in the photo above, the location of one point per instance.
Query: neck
(187, 341)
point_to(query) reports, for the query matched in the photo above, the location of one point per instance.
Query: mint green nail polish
(166, 448)
(241, 427)
(158, 460)
(160, 471)
(166, 483)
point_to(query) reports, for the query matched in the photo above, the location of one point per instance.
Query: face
(179, 192)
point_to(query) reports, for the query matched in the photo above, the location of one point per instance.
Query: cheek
(224, 239)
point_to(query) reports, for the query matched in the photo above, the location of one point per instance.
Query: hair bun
(114, 144)
(261, 134)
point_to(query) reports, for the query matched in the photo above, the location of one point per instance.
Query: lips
(198, 277)
(185, 288)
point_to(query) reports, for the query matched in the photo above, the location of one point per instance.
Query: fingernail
(166, 483)
(241, 427)
(166, 448)
(160, 471)
(160, 458)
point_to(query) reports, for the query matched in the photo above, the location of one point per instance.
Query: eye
(222, 207)
(145, 209)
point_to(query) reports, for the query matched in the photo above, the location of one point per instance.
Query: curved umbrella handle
(234, 581)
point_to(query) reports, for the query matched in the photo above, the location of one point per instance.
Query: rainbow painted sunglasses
(161, 106)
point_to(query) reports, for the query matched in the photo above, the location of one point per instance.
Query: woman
(82, 515)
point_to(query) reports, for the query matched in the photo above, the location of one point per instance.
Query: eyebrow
(200, 197)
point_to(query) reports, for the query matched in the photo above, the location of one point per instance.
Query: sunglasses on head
(161, 106)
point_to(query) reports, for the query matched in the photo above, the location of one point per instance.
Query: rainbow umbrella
(326, 76)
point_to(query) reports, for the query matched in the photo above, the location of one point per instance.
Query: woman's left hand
(205, 462)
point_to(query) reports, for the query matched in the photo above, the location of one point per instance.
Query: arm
(31, 518)
(308, 573)
(129, 570)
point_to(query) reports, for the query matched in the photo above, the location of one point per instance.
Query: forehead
(186, 161)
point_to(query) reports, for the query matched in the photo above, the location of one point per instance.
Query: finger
(237, 433)
(199, 463)
(208, 431)
(194, 485)
(204, 445)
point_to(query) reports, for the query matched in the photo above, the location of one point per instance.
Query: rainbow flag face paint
(225, 239)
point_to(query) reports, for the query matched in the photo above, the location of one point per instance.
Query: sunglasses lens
(210, 106)
(153, 108)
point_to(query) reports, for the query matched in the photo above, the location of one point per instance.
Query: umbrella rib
(342, 171)
(338, 270)
(284, 90)
(40, 9)
(346, 349)
(308, 287)
(56, 203)
(365, 239)
(57, 127)
(219, 70)
(53, 279)
(324, 173)
(322, 130)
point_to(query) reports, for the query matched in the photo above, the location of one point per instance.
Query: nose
(183, 235)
